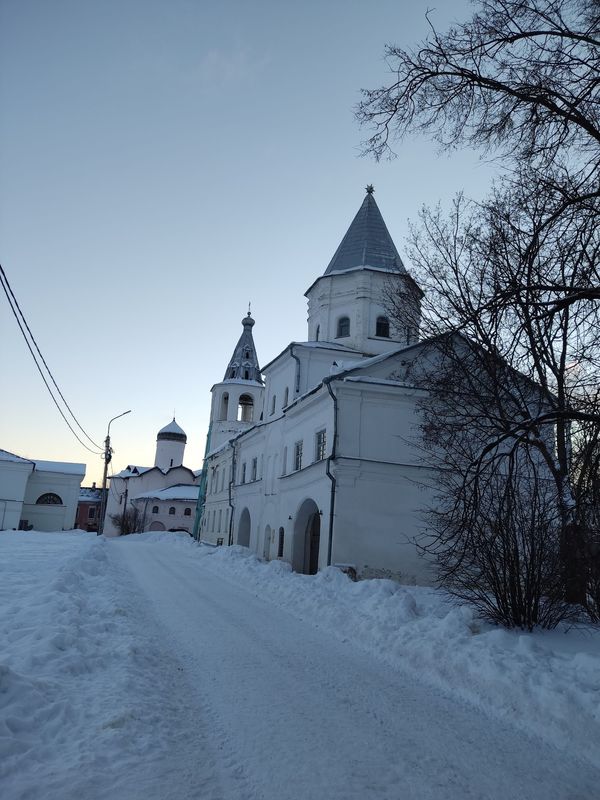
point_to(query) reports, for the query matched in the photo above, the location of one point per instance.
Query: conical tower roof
(367, 242)
(244, 361)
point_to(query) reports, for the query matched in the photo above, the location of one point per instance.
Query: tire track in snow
(302, 716)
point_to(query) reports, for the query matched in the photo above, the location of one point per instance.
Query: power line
(12, 301)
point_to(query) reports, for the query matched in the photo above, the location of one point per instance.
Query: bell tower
(237, 400)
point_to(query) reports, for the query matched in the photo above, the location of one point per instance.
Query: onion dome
(172, 432)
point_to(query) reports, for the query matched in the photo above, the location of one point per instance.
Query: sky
(162, 164)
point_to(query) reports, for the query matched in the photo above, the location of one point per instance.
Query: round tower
(170, 446)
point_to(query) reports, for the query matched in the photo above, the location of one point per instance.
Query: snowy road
(292, 713)
(147, 668)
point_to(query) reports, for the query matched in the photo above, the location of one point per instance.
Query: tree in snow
(517, 274)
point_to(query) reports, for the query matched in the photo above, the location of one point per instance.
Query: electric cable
(8, 292)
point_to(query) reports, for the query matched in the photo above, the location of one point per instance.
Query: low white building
(135, 482)
(37, 494)
(170, 509)
(318, 463)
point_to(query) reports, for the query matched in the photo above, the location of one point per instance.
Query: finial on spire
(249, 309)
(370, 189)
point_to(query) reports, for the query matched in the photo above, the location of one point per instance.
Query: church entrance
(243, 536)
(157, 526)
(307, 539)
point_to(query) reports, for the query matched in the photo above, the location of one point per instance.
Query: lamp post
(107, 460)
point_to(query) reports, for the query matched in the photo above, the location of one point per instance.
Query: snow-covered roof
(5, 455)
(64, 467)
(90, 494)
(131, 470)
(178, 492)
(172, 431)
(322, 345)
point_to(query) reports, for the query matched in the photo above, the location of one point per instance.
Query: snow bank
(76, 673)
(548, 683)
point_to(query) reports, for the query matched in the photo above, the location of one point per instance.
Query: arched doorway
(307, 539)
(243, 535)
(157, 526)
(267, 543)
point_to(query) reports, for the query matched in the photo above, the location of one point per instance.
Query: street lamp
(107, 460)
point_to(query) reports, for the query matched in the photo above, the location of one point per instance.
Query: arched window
(172, 510)
(155, 509)
(224, 406)
(280, 543)
(49, 499)
(343, 327)
(382, 327)
(318, 332)
(187, 512)
(245, 408)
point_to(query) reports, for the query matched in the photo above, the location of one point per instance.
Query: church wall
(138, 484)
(379, 515)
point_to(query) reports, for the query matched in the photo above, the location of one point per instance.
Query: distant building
(39, 495)
(88, 508)
(170, 509)
(136, 482)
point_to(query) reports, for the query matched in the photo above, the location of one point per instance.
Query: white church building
(165, 495)
(311, 458)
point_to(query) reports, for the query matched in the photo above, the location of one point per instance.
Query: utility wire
(12, 301)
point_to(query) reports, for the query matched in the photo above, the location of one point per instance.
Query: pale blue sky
(161, 164)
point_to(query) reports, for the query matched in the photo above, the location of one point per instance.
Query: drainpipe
(297, 360)
(329, 473)
(230, 494)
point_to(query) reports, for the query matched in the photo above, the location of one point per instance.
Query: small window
(273, 403)
(187, 512)
(246, 353)
(246, 375)
(318, 333)
(284, 462)
(92, 512)
(172, 510)
(382, 327)
(155, 509)
(286, 397)
(243, 473)
(49, 499)
(254, 467)
(343, 327)
(280, 544)
(320, 445)
(298, 456)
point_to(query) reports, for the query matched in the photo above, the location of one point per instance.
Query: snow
(66, 467)
(151, 667)
(178, 492)
(6, 456)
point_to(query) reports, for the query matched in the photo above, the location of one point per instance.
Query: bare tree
(127, 522)
(518, 275)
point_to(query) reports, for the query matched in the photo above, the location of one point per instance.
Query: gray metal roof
(244, 361)
(367, 242)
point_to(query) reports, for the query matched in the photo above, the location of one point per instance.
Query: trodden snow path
(286, 711)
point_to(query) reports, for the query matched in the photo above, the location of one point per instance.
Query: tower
(348, 303)
(170, 446)
(237, 400)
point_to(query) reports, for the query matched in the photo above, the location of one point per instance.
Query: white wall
(52, 517)
(13, 483)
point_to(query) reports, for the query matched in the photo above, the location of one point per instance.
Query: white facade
(170, 509)
(135, 481)
(330, 472)
(42, 495)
